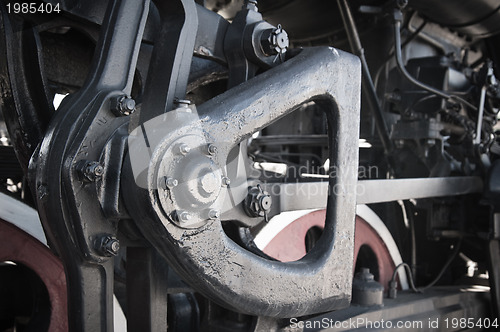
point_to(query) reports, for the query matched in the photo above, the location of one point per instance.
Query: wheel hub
(190, 182)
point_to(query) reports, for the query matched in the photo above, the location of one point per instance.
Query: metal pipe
(477, 139)
(368, 86)
(413, 80)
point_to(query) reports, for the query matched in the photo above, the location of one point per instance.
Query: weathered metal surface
(206, 257)
(290, 245)
(68, 207)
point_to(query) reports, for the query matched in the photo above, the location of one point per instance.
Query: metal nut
(108, 246)
(258, 202)
(213, 214)
(122, 105)
(170, 183)
(212, 149)
(89, 171)
(183, 216)
(226, 181)
(274, 41)
(184, 149)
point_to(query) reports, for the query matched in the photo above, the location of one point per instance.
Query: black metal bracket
(68, 207)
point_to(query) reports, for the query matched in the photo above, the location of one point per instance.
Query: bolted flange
(194, 182)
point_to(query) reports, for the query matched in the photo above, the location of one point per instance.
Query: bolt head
(109, 246)
(89, 171)
(128, 105)
(226, 181)
(122, 105)
(274, 41)
(184, 216)
(115, 246)
(265, 202)
(98, 170)
(212, 149)
(171, 183)
(258, 202)
(184, 149)
(213, 214)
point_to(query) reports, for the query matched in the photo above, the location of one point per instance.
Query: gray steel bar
(377, 191)
(313, 195)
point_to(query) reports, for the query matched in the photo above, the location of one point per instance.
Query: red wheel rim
(289, 244)
(20, 247)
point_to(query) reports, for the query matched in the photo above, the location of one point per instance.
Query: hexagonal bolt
(213, 214)
(108, 246)
(274, 41)
(89, 171)
(226, 181)
(258, 202)
(183, 216)
(212, 149)
(122, 105)
(169, 183)
(184, 149)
